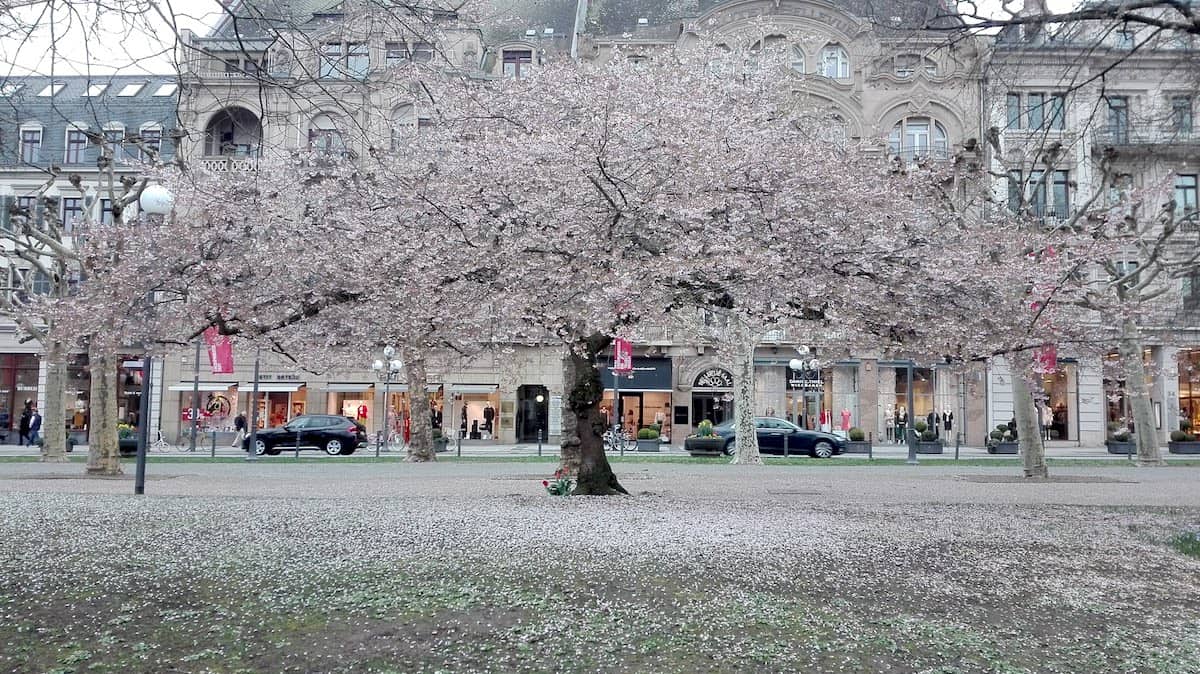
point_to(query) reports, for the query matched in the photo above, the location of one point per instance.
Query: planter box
(929, 447)
(704, 446)
(648, 445)
(1185, 447)
(1003, 448)
(1117, 447)
(439, 444)
(858, 446)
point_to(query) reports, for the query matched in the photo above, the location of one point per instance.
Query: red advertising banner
(220, 351)
(622, 356)
(1045, 359)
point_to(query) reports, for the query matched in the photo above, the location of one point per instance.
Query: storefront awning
(473, 388)
(649, 374)
(271, 387)
(348, 388)
(204, 386)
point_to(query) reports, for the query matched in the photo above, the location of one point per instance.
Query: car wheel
(731, 447)
(273, 451)
(347, 451)
(260, 448)
(822, 450)
(333, 447)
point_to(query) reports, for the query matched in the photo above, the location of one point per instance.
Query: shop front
(1188, 364)
(645, 396)
(277, 402)
(1060, 390)
(712, 396)
(936, 401)
(475, 411)
(217, 406)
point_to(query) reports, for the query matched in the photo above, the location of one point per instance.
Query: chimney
(1032, 31)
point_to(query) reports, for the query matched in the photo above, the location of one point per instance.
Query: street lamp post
(809, 370)
(386, 367)
(910, 432)
(540, 399)
(154, 200)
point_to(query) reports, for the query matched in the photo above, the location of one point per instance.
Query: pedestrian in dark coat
(23, 427)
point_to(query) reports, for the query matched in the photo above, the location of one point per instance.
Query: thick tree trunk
(420, 442)
(103, 455)
(582, 447)
(1145, 434)
(743, 400)
(1029, 437)
(54, 430)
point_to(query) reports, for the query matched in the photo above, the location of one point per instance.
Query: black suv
(329, 432)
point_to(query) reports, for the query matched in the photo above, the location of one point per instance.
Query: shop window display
(1189, 387)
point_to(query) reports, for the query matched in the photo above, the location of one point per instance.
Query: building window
(1035, 109)
(325, 137)
(28, 207)
(151, 139)
(1181, 114)
(51, 90)
(1125, 39)
(1185, 200)
(1117, 120)
(1191, 291)
(1061, 207)
(344, 60)
(1013, 110)
(517, 62)
(106, 212)
(835, 62)
(76, 145)
(71, 212)
(31, 145)
(95, 90)
(1119, 189)
(131, 89)
(1058, 111)
(115, 137)
(395, 54)
(916, 138)
(1037, 194)
(422, 52)
(905, 65)
(797, 59)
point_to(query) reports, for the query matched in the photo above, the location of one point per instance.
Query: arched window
(774, 47)
(151, 133)
(719, 62)
(324, 135)
(835, 129)
(905, 65)
(835, 62)
(915, 138)
(797, 62)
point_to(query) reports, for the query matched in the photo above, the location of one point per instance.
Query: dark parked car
(771, 434)
(328, 432)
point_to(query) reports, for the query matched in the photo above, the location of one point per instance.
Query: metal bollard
(378, 441)
(786, 436)
(298, 434)
(459, 436)
(957, 438)
(539, 437)
(213, 452)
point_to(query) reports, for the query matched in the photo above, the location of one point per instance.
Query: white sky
(67, 39)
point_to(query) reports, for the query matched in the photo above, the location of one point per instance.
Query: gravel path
(469, 567)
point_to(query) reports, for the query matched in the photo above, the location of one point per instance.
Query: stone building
(1063, 101)
(43, 125)
(319, 76)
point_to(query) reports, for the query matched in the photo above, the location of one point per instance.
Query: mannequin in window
(931, 422)
(462, 426)
(489, 413)
(947, 421)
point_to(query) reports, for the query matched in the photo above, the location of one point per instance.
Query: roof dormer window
(94, 90)
(51, 90)
(131, 89)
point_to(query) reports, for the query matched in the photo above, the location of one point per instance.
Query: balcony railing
(912, 154)
(1144, 135)
(220, 164)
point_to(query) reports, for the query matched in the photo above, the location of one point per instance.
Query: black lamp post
(154, 200)
(386, 367)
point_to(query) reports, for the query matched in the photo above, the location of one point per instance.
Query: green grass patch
(1187, 543)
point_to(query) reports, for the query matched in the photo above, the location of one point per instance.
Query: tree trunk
(103, 456)
(1029, 437)
(1146, 436)
(582, 446)
(54, 417)
(743, 399)
(420, 442)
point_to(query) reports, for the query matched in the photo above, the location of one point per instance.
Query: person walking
(239, 425)
(35, 425)
(23, 425)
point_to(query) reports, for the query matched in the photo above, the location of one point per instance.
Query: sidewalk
(884, 451)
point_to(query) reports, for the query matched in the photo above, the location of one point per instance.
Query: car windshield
(724, 425)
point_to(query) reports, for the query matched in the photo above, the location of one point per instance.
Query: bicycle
(623, 441)
(160, 444)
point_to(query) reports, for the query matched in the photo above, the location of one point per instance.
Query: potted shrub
(439, 441)
(1183, 441)
(858, 443)
(1120, 440)
(704, 441)
(1003, 440)
(929, 443)
(647, 440)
